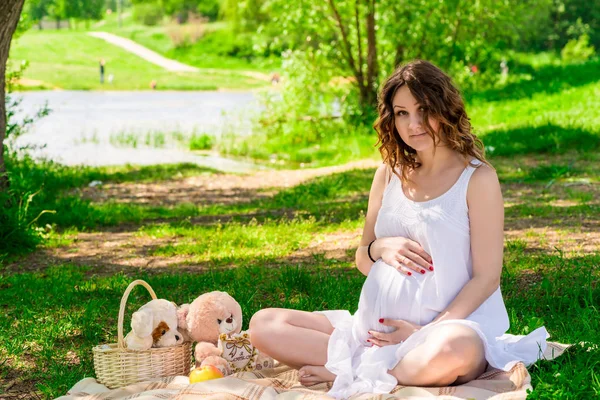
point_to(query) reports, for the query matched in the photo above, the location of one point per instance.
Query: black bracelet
(369, 250)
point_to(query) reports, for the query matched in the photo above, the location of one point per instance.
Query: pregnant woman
(430, 311)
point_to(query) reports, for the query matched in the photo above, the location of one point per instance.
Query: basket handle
(133, 284)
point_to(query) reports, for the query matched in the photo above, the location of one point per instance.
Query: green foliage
(149, 14)
(568, 20)
(201, 142)
(209, 9)
(246, 16)
(38, 9)
(64, 9)
(18, 230)
(447, 33)
(577, 50)
(305, 122)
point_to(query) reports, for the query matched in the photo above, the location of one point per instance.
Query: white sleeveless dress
(441, 226)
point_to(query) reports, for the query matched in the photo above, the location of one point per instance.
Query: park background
(271, 202)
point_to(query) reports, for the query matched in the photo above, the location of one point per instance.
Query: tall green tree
(180, 8)
(10, 12)
(38, 9)
(367, 39)
(90, 9)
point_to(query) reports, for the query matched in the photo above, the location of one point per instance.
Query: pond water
(115, 128)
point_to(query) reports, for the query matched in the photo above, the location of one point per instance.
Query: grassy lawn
(213, 50)
(286, 238)
(69, 60)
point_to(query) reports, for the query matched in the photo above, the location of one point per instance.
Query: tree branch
(349, 56)
(372, 68)
(358, 40)
(420, 48)
(454, 38)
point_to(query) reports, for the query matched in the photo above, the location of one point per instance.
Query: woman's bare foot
(313, 374)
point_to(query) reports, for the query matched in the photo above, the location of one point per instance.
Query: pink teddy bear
(214, 321)
(203, 321)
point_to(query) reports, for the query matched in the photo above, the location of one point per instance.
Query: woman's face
(408, 118)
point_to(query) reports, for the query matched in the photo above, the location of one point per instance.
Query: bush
(201, 142)
(18, 230)
(314, 119)
(186, 35)
(148, 13)
(210, 9)
(577, 50)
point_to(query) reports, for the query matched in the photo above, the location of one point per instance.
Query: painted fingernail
(422, 271)
(381, 320)
(409, 273)
(431, 268)
(369, 332)
(369, 341)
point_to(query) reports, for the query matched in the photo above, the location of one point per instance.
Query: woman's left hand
(403, 330)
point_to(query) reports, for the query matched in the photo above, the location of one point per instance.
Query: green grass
(217, 48)
(69, 60)
(158, 140)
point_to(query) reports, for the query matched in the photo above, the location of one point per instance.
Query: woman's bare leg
(296, 338)
(453, 354)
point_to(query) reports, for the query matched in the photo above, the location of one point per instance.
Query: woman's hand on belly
(403, 254)
(403, 330)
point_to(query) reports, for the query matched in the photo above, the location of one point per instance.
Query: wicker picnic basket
(118, 366)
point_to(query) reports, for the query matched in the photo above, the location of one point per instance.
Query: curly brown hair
(442, 101)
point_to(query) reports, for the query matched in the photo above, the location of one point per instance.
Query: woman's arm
(486, 215)
(363, 263)
(401, 253)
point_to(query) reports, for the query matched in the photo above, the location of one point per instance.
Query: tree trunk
(372, 66)
(10, 11)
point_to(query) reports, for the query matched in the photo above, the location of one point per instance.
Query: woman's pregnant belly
(388, 294)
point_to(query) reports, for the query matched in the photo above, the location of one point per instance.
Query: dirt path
(157, 59)
(122, 248)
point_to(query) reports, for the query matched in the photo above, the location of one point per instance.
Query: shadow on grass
(333, 198)
(548, 138)
(547, 79)
(329, 199)
(583, 216)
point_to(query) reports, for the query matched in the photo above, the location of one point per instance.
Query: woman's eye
(219, 321)
(401, 112)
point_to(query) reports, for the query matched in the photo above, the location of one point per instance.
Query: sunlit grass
(69, 60)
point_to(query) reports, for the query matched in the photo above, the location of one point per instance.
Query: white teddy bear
(154, 325)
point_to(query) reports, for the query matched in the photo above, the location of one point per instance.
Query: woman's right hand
(404, 255)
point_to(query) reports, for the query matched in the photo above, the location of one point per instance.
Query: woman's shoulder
(484, 181)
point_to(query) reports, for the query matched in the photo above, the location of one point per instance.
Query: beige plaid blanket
(282, 383)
